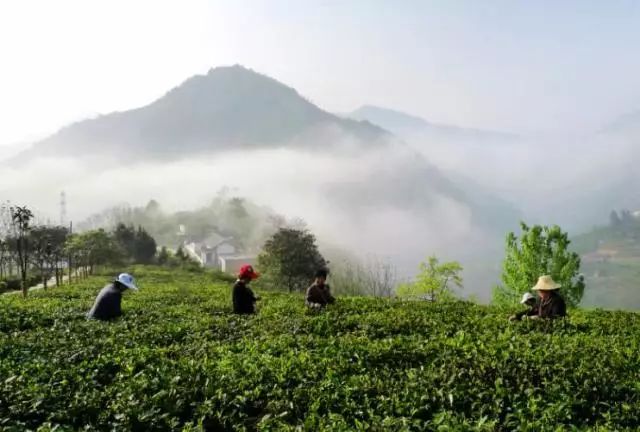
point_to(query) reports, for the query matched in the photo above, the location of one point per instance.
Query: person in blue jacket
(108, 303)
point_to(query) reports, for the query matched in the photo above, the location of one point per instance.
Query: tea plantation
(179, 360)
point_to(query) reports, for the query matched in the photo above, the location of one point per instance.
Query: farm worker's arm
(329, 298)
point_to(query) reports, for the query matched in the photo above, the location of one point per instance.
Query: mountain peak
(382, 116)
(626, 124)
(229, 107)
(404, 125)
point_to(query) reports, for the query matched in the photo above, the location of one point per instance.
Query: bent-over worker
(108, 303)
(530, 301)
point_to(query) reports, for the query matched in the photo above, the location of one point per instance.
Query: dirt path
(51, 283)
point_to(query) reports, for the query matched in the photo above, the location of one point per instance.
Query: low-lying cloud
(349, 201)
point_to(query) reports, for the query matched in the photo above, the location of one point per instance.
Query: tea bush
(179, 360)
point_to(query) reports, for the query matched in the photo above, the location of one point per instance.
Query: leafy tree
(153, 208)
(75, 251)
(290, 258)
(626, 218)
(539, 250)
(41, 252)
(237, 209)
(125, 236)
(47, 248)
(163, 256)
(145, 247)
(181, 255)
(434, 281)
(139, 246)
(21, 218)
(101, 249)
(5, 257)
(91, 249)
(614, 219)
(58, 236)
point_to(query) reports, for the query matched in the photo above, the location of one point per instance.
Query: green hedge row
(179, 360)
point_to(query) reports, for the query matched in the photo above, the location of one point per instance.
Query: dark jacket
(107, 304)
(319, 294)
(244, 302)
(553, 307)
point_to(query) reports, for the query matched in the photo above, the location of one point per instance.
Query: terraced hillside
(179, 360)
(611, 265)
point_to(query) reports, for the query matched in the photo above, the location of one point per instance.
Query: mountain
(233, 108)
(7, 151)
(357, 184)
(628, 124)
(228, 108)
(405, 125)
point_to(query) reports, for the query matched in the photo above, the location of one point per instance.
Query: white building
(219, 252)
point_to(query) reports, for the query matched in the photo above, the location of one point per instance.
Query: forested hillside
(611, 262)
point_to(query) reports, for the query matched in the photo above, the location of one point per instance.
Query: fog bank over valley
(375, 182)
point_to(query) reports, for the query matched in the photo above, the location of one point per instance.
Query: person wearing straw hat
(530, 301)
(551, 303)
(244, 301)
(108, 303)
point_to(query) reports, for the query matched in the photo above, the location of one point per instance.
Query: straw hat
(546, 283)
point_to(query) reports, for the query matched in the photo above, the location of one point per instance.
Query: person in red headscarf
(244, 301)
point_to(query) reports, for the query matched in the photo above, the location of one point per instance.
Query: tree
(21, 218)
(153, 208)
(181, 256)
(163, 256)
(5, 257)
(47, 245)
(58, 237)
(375, 276)
(290, 258)
(75, 251)
(144, 247)
(540, 250)
(434, 280)
(138, 245)
(41, 252)
(614, 219)
(125, 236)
(91, 249)
(626, 219)
(100, 249)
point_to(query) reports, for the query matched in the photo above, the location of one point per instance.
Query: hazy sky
(523, 66)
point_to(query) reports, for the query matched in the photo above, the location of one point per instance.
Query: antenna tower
(63, 208)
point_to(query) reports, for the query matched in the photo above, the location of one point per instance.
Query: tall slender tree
(21, 219)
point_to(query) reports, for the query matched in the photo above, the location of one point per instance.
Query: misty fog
(360, 201)
(295, 183)
(565, 180)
